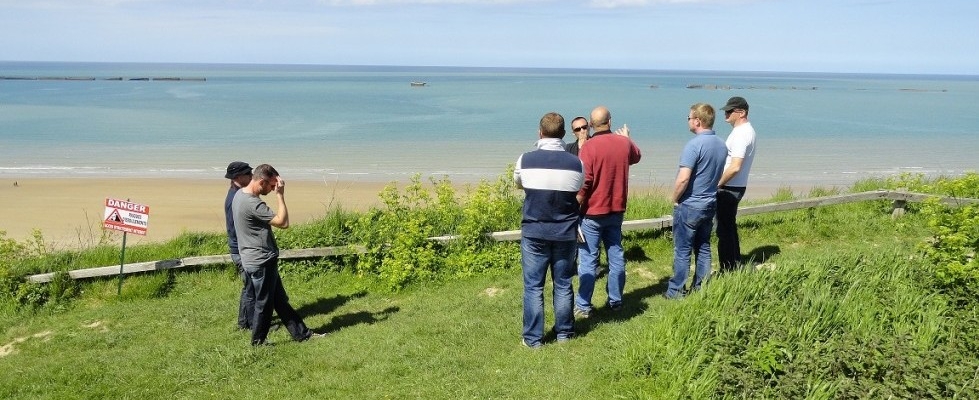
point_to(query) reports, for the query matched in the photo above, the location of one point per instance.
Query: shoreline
(69, 211)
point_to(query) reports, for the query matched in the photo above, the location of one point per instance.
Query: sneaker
(528, 345)
(581, 312)
(312, 336)
(615, 307)
(564, 339)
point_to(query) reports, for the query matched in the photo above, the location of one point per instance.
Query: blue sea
(369, 123)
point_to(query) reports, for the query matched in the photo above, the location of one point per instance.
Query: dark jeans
(246, 304)
(728, 242)
(271, 295)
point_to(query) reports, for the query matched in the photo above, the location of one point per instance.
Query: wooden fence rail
(900, 199)
(131, 268)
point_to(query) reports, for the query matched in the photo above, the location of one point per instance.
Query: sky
(851, 36)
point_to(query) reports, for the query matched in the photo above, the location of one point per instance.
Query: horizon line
(488, 68)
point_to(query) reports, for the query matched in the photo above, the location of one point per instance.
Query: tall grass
(830, 326)
(839, 302)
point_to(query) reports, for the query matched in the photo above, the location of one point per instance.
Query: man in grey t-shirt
(260, 254)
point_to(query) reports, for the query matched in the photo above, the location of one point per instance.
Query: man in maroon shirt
(603, 197)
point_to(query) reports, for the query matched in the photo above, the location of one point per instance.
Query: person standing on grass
(603, 198)
(734, 181)
(260, 254)
(579, 128)
(550, 178)
(240, 173)
(695, 199)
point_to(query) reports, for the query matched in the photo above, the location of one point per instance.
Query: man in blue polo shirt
(695, 199)
(550, 178)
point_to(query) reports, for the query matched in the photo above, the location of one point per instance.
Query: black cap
(237, 168)
(735, 103)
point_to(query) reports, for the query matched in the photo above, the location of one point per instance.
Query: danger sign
(124, 216)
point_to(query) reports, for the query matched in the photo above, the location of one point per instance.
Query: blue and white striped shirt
(551, 178)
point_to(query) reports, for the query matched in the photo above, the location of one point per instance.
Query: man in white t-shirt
(734, 181)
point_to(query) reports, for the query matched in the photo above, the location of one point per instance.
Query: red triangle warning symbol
(114, 217)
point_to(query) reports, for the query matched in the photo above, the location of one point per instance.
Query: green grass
(837, 300)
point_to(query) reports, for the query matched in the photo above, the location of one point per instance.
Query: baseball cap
(735, 103)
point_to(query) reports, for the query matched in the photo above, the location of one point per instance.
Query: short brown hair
(552, 125)
(263, 172)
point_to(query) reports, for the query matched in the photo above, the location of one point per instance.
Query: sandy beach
(69, 211)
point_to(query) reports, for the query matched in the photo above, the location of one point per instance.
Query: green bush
(399, 251)
(955, 230)
(952, 250)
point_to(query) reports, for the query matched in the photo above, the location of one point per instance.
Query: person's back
(607, 159)
(550, 178)
(603, 196)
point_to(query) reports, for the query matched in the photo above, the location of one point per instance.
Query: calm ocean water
(368, 123)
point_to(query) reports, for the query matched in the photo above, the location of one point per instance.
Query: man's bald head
(601, 118)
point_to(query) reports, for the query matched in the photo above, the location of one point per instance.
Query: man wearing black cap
(734, 181)
(240, 173)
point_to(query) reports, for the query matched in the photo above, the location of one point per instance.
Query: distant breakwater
(92, 78)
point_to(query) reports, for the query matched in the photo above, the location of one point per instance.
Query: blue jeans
(691, 235)
(537, 256)
(607, 230)
(728, 243)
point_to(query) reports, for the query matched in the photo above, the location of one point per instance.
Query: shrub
(397, 236)
(952, 250)
(954, 241)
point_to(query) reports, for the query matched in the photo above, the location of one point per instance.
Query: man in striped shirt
(550, 178)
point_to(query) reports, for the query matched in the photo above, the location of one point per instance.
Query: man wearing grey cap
(734, 181)
(240, 173)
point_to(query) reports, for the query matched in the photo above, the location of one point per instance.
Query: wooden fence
(900, 199)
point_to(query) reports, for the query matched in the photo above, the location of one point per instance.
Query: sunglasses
(580, 128)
